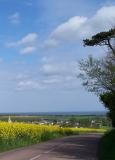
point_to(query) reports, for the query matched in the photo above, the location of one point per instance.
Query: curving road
(83, 147)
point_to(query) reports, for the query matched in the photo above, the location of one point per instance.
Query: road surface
(83, 147)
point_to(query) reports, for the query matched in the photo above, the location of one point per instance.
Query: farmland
(14, 135)
(100, 121)
(23, 130)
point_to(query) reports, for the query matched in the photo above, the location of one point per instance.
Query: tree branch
(110, 46)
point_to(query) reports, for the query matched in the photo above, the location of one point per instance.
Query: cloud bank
(79, 27)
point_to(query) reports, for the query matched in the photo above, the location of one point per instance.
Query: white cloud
(28, 50)
(70, 29)
(47, 59)
(28, 39)
(67, 81)
(29, 85)
(21, 76)
(59, 69)
(49, 76)
(53, 69)
(77, 27)
(50, 43)
(52, 80)
(14, 18)
(104, 19)
(26, 45)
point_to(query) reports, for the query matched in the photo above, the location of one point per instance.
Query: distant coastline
(82, 113)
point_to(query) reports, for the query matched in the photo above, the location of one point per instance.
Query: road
(83, 147)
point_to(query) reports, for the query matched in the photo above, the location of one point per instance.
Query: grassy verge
(107, 146)
(14, 135)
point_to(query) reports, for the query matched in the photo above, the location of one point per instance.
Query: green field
(64, 121)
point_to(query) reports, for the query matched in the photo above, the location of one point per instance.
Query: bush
(107, 146)
(108, 100)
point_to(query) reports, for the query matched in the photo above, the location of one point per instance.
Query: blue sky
(41, 43)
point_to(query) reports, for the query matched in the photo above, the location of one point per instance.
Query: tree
(98, 75)
(108, 100)
(102, 38)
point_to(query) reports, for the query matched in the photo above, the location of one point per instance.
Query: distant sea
(95, 113)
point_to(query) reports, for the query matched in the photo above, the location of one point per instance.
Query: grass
(107, 146)
(14, 135)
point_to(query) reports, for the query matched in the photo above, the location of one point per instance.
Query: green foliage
(102, 38)
(108, 100)
(98, 75)
(107, 146)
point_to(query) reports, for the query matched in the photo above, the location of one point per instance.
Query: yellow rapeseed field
(14, 135)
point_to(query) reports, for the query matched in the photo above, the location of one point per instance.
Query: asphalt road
(82, 147)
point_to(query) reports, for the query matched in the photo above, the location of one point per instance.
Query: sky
(40, 46)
